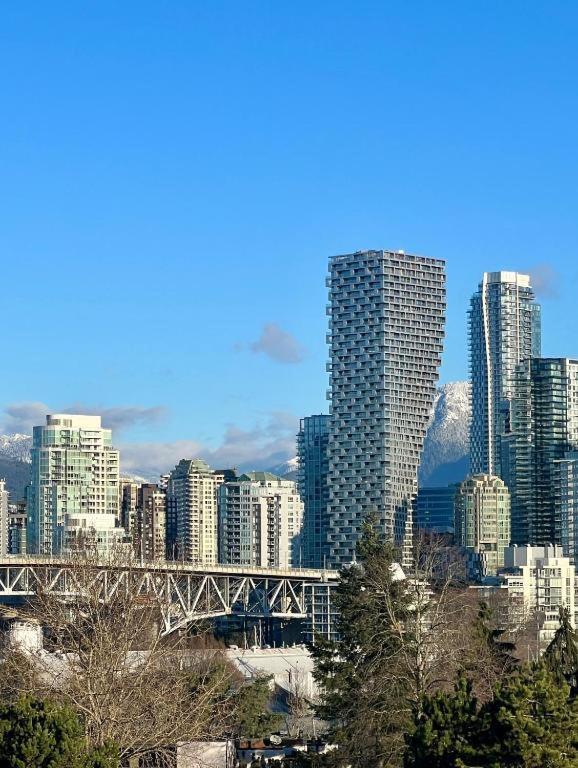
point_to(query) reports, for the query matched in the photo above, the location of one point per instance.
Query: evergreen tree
(41, 734)
(530, 723)
(446, 732)
(501, 651)
(253, 719)
(363, 699)
(561, 656)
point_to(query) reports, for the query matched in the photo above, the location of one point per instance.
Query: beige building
(192, 512)
(482, 523)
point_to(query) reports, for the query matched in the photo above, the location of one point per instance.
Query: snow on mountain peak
(16, 446)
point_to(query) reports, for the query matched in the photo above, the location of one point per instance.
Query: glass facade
(504, 329)
(312, 442)
(544, 430)
(434, 509)
(566, 502)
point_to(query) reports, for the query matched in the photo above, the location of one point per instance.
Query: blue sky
(174, 176)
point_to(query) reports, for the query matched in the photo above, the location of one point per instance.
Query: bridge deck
(184, 592)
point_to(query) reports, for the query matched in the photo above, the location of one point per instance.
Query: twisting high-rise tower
(386, 323)
(504, 329)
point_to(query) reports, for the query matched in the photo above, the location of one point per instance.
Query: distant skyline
(174, 178)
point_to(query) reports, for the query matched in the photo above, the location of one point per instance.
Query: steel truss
(183, 594)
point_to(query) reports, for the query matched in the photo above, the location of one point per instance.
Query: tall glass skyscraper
(504, 329)
(544, 431)
(312, 442)
(386, 322)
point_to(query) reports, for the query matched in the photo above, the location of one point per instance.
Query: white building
(260, 521)
(192, 512)
(3, 518)
(74, 475)
(540, 581)
(94, 534)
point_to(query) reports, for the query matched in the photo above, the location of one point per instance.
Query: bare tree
(298, 702)
(108, 659)
(433, 638)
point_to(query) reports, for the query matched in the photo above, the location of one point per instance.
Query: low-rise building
(99, 535)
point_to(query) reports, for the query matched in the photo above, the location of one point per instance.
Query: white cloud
(545, 280)
(261, 447)
(266, 444)
(279, 345)
(153, 459)
(21, 417)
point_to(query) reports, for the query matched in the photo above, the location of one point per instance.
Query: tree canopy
(41, 734)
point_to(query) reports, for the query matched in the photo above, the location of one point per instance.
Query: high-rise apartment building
(149, 536)
(128, 501)
(504, 329)
(386, 327)
(4, 520)
(482, 523)
(260, 521)
(74, 482)
(544, 429)
(312, 444)
(192, 512)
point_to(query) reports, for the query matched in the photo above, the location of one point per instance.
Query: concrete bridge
(183, 592)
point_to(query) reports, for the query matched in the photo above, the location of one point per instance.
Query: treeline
(422, 675)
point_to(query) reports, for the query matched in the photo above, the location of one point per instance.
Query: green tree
(41, 734)
(561, 656)
(502, 651)
(362, 698)
(250, 710)
(446, 730)
(530, 723)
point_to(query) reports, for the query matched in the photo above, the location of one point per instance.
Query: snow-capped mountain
(16, 446)
(15, 463)
(288, 469)
(445, 457)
